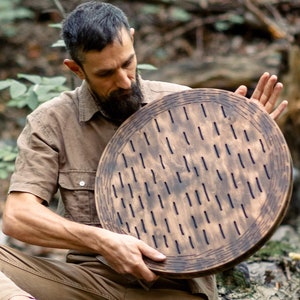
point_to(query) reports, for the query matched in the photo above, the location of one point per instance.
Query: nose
(122, 80)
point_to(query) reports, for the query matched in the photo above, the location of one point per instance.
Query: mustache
(121, 103)
(121, 93)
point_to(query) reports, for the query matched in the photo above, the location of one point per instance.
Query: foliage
(29, 91)
(175, 13)
(60, 42)
(273, 250)
(229, 23)
(8, 156)
(40, 89)
(37, 90)
(11, 10)
(234, 278)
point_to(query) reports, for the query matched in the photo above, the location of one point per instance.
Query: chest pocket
(77, 193)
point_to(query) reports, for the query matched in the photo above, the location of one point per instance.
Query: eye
(128, 62)
(105, 73)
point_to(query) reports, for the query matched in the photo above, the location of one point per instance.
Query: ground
(271, 275)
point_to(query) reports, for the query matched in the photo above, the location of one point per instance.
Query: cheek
(101, 88)
(132, 75)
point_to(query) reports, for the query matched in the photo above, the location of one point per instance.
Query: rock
(266, 274)
(286, 233)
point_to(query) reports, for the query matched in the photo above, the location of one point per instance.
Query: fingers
(267, 93)
(124, 253)
(151, 253)
(139, 270)
(260, 87)
(270, 98)
(241, 91)
(279, 110)
(267, 89)
(132, 264)
(146, 274)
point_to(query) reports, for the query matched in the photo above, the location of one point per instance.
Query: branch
(271, 26)
(227, 72)
(60, 7)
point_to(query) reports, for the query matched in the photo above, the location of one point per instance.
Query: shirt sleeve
(36, 166)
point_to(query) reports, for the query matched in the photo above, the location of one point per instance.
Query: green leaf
(32, 100)
(19, 102)
(16, 103)
(59, 43)
(11, 167)
(5, 5)
(48, 97)
(56, 25)
(13, 14)
(3, 174)
(237, 19)
(181, 15)
(150, 9)
(43, 90)
(56, 81)
(5, 84)
(32, 78)
(146, 67)
(9, 156)
(222, 25)
(17, 89)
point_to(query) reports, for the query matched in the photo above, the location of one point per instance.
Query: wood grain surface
(203, 176)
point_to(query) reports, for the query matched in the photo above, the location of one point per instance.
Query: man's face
(120, 104)
(112, 78)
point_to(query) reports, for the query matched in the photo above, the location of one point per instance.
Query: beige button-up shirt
(60, 147)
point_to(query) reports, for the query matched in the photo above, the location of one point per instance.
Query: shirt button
(81, 183)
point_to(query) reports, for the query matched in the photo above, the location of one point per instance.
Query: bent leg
(9, 289)
(47, 279)
(86, 279)
(161, 294)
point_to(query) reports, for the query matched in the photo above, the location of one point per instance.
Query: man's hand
(267, 92)
(124, 253)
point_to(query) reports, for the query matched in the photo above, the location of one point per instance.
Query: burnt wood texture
(203, 176)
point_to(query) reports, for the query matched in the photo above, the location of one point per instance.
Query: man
(60, 148)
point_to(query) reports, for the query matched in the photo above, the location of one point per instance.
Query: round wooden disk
(203, 176)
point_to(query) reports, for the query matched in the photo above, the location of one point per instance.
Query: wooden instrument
(204, 176)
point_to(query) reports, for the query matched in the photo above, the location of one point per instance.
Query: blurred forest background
(200, 43)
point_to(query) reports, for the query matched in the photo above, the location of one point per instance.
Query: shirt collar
(86, 103)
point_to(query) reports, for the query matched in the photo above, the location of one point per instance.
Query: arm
(26, 219)
(267, 92)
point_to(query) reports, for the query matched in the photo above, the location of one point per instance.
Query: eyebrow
(124, 64)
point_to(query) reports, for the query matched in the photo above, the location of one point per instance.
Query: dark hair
(92, 26)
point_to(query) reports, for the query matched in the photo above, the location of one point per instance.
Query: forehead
(113, 55)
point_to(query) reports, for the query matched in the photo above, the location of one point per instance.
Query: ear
(132, 33)
(75, 68)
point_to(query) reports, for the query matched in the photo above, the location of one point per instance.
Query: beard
(120, 104)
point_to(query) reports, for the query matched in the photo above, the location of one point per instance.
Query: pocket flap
(77, 180)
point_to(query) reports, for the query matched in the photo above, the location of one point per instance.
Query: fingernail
(161, 256)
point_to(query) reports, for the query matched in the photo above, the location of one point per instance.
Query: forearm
(26, 219)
